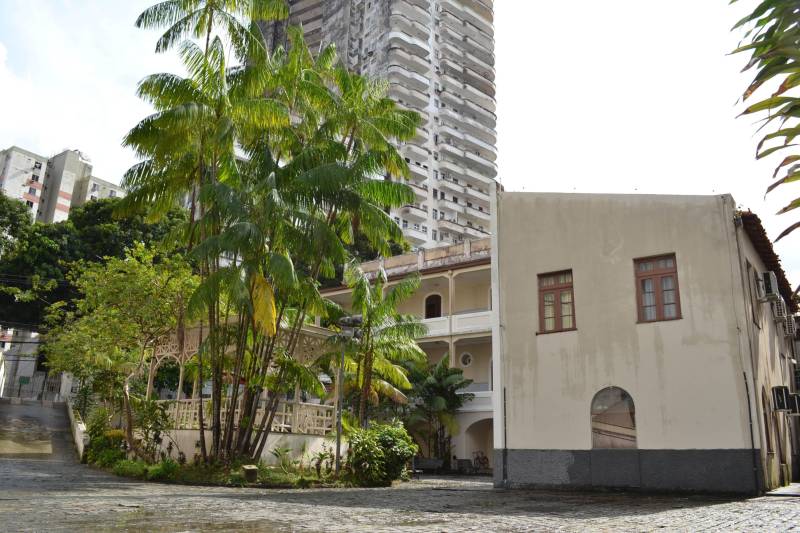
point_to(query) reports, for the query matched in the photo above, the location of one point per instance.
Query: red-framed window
(657, 293)
(556, 302)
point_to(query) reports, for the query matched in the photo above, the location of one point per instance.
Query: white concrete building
(91, 188)
(22, 177)
(438, 56)
(454, 302)
(642, 340)
(51, 186)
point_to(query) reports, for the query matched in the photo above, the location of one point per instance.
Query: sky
(628, 96)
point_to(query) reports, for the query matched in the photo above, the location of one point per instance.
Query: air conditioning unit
(779, 311)
(769, 282)
(794, 405)
(781, 398)
(789, 327)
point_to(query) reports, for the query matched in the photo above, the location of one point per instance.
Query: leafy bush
(105, 445)
(126, 468)
(377, 456)
(163, 471)
(398, 448)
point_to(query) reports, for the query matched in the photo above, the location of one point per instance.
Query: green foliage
(38, 269)
(128, 468)
(313, 135)
(281, 453)
(166, 470)
(437, 396)
(376, 361)
(152, 421)
(15, 224)
(772, 41)
(378, 455)
(105, 445)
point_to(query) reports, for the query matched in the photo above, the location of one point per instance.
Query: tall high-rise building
(438, 57)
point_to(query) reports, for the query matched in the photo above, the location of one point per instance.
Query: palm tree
(197, 19)
(437, 396)
(279, 159)
(773, 46)
(388, 338)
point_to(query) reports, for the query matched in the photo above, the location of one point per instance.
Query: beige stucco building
(454, 302)
(640, 340)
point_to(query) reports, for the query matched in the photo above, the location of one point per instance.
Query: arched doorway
(479, 441)
(433, 306)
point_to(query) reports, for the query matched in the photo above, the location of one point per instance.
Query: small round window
(466, 359)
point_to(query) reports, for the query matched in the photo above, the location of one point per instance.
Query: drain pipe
(737, 224)
(505, 441)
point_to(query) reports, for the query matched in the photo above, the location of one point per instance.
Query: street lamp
(350, 329)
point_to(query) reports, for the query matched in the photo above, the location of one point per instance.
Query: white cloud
(630, 96)
(72, 82)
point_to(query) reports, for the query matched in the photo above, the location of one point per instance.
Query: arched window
(613, 419)
(433, 306)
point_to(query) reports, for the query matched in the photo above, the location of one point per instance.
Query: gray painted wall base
(728, 471)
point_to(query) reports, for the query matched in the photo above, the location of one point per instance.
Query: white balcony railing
(290, 417)
(471, 322)
(481, 401)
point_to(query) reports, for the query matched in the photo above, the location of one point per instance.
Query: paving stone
(58, 494)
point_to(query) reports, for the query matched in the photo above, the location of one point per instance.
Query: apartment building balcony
(415, 153)
(467, 59)
(420, 190)
(415, 236)
(464, 93)
(408, 78)
(455, 119)
(455, 226)
(415, 29)
(478, 48)
(471, 110)
(410, 11)
(415, 63)
(451, 186)
(469, 176)
(410, 43)
(422, 4)
(415, 212)
(422, 135)
(477, 194)
(469, 159)
(418, 171)
(482, 37)
(414, 99)
(451, 206)
(464, 12)
(480, 215)
(481, 8)
(470, 142)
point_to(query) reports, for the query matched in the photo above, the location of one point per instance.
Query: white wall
(685, 376)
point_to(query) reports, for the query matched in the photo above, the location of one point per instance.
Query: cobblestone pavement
(53, 493)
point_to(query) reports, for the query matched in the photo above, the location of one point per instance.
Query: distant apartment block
(93, 188)
(51, 186)
(22, 177)
(438, 57)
